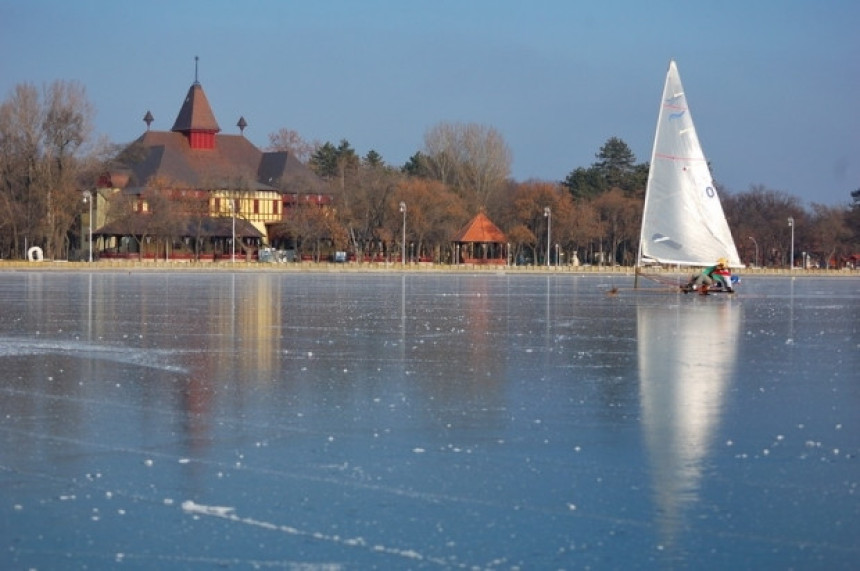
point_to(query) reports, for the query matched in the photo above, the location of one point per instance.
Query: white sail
(683, 221)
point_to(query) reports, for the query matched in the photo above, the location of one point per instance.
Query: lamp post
(88, 198)
(403, 241)
(756, 250)
(233, 238)
(548, 215)
(791, 225)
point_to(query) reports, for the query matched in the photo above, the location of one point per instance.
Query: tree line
(48, 155)
(594, 213)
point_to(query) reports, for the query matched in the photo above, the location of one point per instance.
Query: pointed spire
(196, 120)
(196, 114)
(148, 119)
(242, 124)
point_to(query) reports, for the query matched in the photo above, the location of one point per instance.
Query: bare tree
(619, 217)
(362, 206)
(528, 203)
(20, 134)
(290, 141)
(761, 214)
(441, 148)
(67, 126)
(828, 235)
(470, 157)
(42, 160)
(433, 215)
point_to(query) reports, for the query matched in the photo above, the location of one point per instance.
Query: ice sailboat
(683, 222)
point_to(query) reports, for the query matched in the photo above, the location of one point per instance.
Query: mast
(650, 175)
(653, 155)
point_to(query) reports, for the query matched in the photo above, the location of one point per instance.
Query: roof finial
(196, 59)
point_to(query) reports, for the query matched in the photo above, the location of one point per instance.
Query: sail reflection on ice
(687, 358)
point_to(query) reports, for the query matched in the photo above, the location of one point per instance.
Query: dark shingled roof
(481, 229)
(166, 156)
(140, 224)
(234, 163)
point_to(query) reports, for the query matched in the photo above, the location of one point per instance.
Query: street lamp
(791, 225)
(756, 250)
(548, 215)
(233, 238)
(88, 198)
(403, 242)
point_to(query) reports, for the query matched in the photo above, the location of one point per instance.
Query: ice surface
(326, 421)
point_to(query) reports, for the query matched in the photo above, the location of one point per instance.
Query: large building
(194, 192)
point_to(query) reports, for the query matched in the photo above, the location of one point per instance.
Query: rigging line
(678, 158)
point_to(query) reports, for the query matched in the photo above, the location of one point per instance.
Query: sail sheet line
(678, 158)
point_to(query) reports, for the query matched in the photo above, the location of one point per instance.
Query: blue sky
(773, 85)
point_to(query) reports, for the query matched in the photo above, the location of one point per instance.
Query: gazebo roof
(480, 229)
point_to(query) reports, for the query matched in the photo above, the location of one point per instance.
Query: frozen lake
(357, 421)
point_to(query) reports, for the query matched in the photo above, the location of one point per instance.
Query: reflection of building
(481, 242)
(191, 190)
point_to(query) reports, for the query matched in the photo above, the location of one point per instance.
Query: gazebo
(481, 242)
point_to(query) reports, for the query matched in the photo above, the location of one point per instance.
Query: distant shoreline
(108, 266)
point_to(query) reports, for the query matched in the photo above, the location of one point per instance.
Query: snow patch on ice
(150, 358)
(229, 513)
(217, 511)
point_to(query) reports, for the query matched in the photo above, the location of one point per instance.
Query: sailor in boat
(717, 275)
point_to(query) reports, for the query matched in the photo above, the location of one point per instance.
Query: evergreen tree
(615, 168)
(585, 183)
(345, 151)
(615, 162)
(416, 166)
(373, 159)
(324, 161)
(331, 162)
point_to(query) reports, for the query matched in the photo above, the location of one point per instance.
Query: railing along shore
(346, 267)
